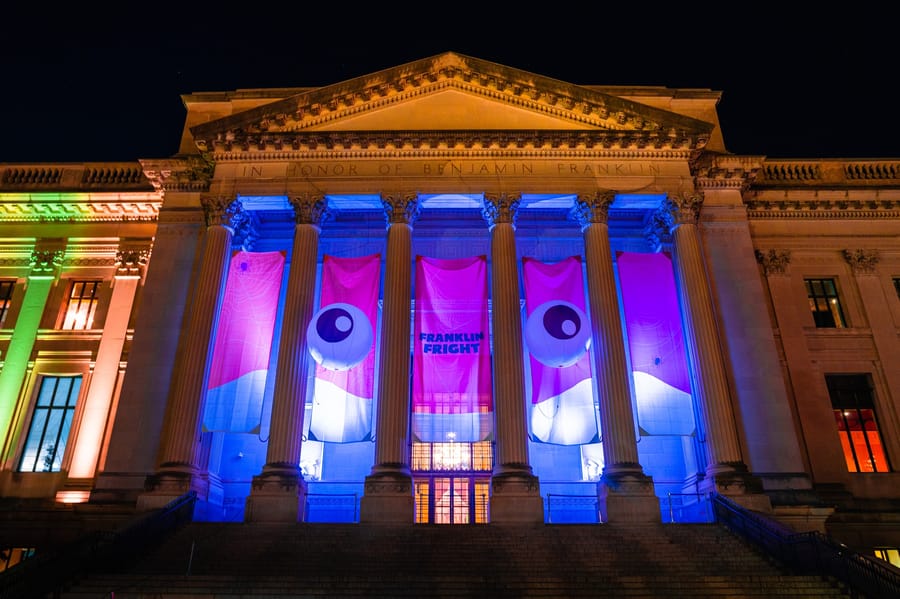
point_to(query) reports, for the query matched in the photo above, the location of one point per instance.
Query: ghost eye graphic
(339, 336)
(557, 334)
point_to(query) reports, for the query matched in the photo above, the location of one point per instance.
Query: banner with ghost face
(557, 336)
(341, 339)
(452, 398)
(243, 342)
(656, 343)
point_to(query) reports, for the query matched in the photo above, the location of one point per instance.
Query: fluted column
(388, 490)
(279, 493)
(44, 271)
(515, 491)
(130, 263)
(725, 469)
(625, 492)
(179, 469)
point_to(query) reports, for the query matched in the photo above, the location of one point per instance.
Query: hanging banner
(243, 342)
(452, 396)
(341, 338)
(557, 336)
(656, 343)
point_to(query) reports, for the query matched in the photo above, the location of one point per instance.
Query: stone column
(179, 469)
(515, 490)
(388, 489)
(278, 494)
(44, 271)
(95, 416)
(626, 494)
(726, 471)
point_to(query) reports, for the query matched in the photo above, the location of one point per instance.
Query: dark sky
(81, 83)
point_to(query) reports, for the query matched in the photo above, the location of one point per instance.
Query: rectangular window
(51, 422)
(82, 303)
(824, 303)
(854, 414)
(6, 291)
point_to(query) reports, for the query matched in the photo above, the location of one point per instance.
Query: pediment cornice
(281, 122)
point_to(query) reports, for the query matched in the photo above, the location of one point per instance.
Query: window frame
(42, 371)
(835, 315)
(93, 299)
(847, 399)
(6, 299)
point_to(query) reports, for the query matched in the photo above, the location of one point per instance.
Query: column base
(276, 498)
(166, 486)
(516, 498)
(628, 497)
(388, 499)
(736, 483)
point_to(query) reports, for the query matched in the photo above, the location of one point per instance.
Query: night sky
(82, 84)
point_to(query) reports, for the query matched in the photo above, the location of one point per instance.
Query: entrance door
(452, 499)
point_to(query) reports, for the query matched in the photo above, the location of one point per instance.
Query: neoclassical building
(454, 292)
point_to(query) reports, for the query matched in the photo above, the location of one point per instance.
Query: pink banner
(452, 395)
(656, 343)
(557, 335)
(345, 374)
(243, 342)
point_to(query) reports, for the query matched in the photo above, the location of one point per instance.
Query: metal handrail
(810, 552)
(47, 573)
(550, 497)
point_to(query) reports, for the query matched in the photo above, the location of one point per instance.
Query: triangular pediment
(450, 94)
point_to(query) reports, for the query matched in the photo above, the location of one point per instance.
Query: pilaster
(726, 471)
(179, 470)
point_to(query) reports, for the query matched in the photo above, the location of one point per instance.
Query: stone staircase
(230, 560)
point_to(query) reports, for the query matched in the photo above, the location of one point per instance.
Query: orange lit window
(81, 305)
(452, 457)
(6, 290)
(824, 303)
(854, 415)
(11, 556)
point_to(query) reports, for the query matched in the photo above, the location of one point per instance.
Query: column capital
(400, 207)
(862, 262)
(774, 262)
(130, 262)
(46, 262)
(676, 210)
(500, 208)
(223, 212)
(310, 209)
(592, 208)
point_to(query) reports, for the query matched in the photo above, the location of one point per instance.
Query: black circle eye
(556, 333)
(339, 336)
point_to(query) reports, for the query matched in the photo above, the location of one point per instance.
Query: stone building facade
(784, 275)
